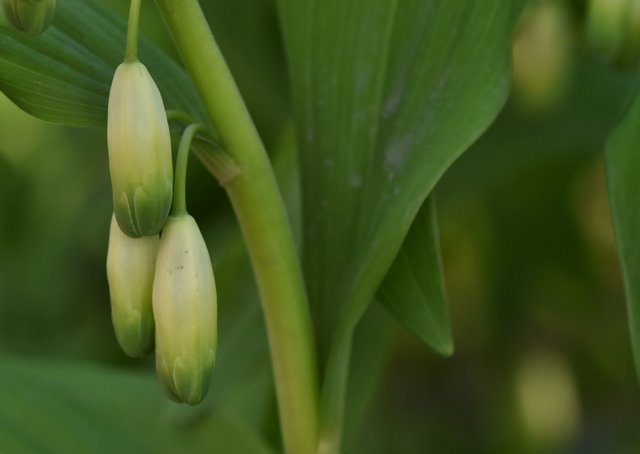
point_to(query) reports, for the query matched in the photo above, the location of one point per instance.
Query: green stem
(263, 220)
(131, 52)
(182, 160)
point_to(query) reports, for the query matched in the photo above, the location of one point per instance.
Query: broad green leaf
(623, 162)
(387, 95)
(54, 407)
(413, 289)
(64, 74)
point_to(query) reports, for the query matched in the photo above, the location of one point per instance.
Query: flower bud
(185, 310)
(139, 152)
(31, 16)
(130, 270)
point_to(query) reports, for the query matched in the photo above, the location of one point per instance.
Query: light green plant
(365, 172)
(382, 97)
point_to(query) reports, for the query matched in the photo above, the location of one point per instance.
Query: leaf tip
(444, 347)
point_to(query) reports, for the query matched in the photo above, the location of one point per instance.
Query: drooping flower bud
(185, 311)
(31, 16)
(139, 152)
(130, 270)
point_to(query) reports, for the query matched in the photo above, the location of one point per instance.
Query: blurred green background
(542, 360)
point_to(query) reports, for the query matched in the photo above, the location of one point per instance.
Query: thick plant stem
(263, 220)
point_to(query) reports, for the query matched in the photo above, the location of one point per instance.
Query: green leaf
(64, 75)
(413, 289)
(57, 407)
(623, 162)
(387, 94)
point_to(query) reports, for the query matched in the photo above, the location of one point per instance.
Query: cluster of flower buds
(163, 286)
(31, 16)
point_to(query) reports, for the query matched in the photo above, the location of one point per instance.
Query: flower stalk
(180, 181)
(131, 51)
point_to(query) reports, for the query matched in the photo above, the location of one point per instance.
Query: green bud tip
(31, 16)
(185, 311)
(130, 270)
(139, 152)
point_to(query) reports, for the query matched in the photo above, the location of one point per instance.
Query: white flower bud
(130, 270)
(185, 311)
(139, 152)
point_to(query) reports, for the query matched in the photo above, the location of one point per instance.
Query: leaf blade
(622, 163)
(63, 407)
(387, 95)
(64, 75)
(413, 289)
